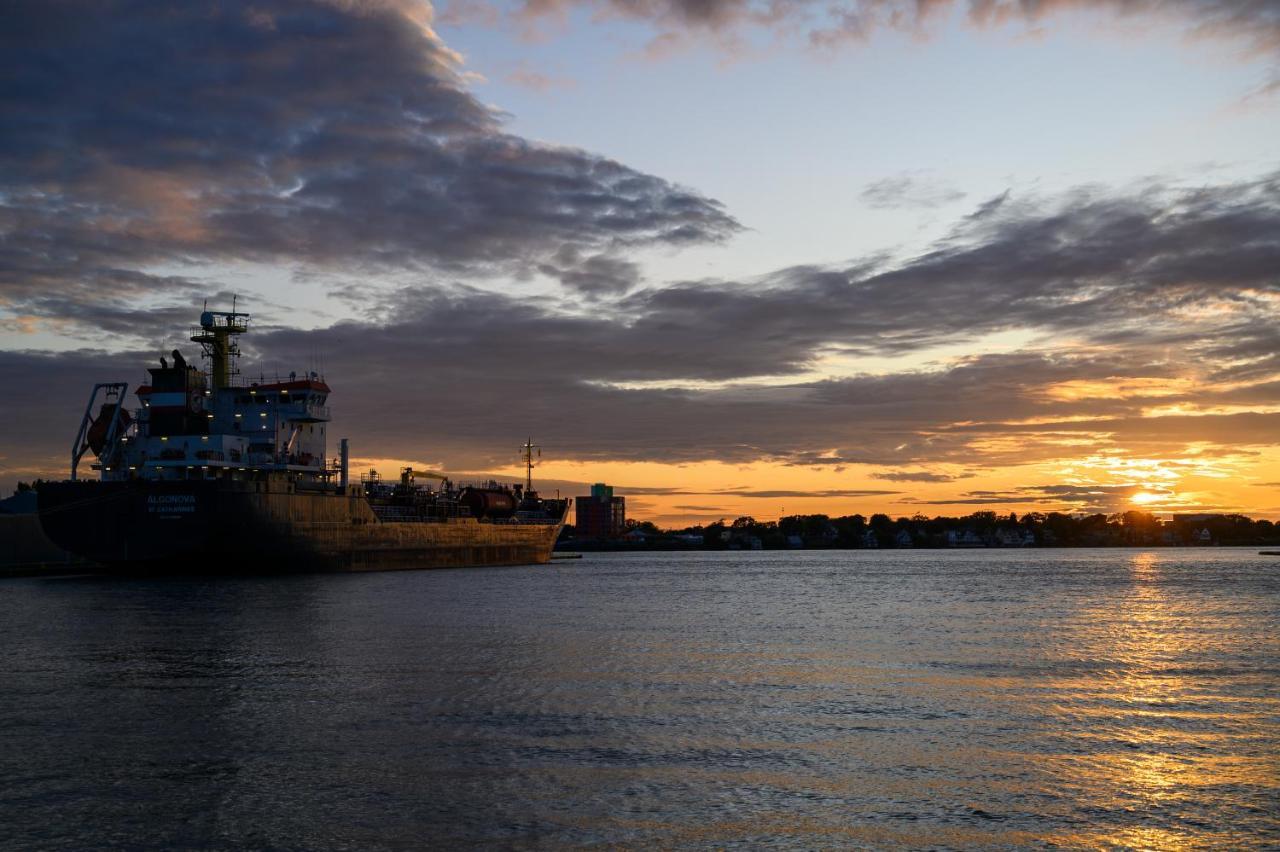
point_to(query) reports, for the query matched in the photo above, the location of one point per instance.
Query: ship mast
(527, 453)
(216, 337)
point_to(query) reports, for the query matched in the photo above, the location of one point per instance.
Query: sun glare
(1142, 498)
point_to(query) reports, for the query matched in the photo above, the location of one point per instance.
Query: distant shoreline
(977, 531)
(575, 546)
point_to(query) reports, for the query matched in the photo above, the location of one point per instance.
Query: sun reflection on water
(1153, 736)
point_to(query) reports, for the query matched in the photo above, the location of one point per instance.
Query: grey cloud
(470, 413)
(1129, 277)
(990, 206)
(981, 500)
(1255, 24)
(656, 490)
(916, 476)
(773, 495)
(329, 134)
(908, 190)
(1110, 267)
(45, 396)
(1078, 498)
(594, 275)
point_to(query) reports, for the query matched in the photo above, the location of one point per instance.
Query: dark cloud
(328, 134)
(594, 275)
(45, 396)
(1158, 292)
(1115, 268)
(916, 476)
(908, 190)
(979, 499)
(1072, 498)
(773, 495)
(1255, 24)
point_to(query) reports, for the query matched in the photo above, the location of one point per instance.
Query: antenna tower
(217, 339)
(527, 453)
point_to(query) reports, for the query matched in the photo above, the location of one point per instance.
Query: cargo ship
(209, 473)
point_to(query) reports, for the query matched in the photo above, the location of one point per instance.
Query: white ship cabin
(186, 430)
(194, 424)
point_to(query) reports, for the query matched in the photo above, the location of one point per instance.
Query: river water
(943, 699)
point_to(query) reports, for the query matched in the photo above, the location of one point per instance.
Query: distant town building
(964, 538)
(1015, 538)
(600, 514)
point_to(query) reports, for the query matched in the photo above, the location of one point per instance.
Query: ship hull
(263, 527)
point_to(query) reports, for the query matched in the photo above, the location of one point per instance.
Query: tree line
(979, 529)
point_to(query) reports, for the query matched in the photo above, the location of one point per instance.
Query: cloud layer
(147, 144)
(141, 136)
(1253, 24)
(1162, 302)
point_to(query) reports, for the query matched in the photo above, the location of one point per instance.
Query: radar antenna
(218, 330)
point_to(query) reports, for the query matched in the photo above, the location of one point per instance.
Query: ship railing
(395, 513)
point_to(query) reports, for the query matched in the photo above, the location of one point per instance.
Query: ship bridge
(195, 423)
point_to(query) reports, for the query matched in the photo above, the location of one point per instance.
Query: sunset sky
(731, 256)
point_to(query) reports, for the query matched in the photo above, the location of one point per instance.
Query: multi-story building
(600, 514)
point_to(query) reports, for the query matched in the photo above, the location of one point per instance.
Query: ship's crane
(408, 474)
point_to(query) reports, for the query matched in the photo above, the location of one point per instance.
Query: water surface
(1035, 698)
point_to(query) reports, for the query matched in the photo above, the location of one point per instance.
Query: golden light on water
(1144, 736)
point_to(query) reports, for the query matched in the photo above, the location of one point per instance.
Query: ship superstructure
(198, 424)
(215, 473)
